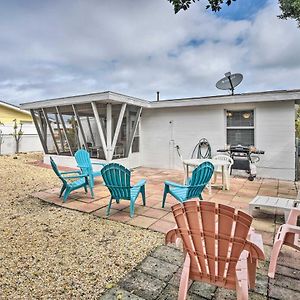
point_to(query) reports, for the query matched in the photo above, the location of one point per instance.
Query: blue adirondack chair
(69, 184)
(200, 178)
(117, 180)
(84, 163)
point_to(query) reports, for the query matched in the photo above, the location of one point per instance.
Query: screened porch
(108, 130)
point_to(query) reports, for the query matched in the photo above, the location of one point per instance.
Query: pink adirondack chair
(287, 234)
(216, 247)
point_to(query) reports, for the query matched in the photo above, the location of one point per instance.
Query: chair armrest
(174, 184)
(172, 236)
(83, 166)
(71, 172)
(100, 164)
(140, 183)
(73, 177)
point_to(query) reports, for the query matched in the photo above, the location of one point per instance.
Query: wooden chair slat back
(214, 236)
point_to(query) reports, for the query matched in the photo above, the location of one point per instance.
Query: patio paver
(158, 275)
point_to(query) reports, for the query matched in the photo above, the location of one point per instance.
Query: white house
(137, 132)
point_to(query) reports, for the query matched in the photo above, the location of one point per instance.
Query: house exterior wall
(133, 161)
(164, 128)
(7, 115)
(29, 141)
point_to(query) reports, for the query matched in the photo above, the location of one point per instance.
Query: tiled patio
(160, 267)
(152, 216)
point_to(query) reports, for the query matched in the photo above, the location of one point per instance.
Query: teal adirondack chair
(117, 180)
(69, 184)
(200, 178)
(86, 165)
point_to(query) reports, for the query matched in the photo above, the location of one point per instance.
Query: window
(240, 127)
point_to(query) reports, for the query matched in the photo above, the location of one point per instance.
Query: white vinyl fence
(29, 142)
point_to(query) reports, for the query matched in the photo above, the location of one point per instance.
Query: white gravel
(47, 252)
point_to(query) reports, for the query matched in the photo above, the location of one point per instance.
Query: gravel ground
(47, 252)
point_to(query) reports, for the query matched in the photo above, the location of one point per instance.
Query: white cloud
(136, 47)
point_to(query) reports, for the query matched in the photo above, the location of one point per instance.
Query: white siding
(275, 133)
(164, 128)
(187, 127)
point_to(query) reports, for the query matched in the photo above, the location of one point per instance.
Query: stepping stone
(158, 268)
(143, 285)
(117, 293)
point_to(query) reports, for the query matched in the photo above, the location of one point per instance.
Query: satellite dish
(229, 82)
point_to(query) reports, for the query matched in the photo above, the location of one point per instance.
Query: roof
(112, 97)
(267, 96)
(14, 107)
(106, 97)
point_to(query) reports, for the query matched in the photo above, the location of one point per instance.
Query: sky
(61, 48)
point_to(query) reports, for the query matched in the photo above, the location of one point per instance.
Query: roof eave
(13, 107)
(107, 97)
(236, 99)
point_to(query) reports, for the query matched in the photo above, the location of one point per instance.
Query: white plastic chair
(185, 170)
(227, 169)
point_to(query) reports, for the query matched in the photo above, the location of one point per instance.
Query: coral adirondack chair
(216, 246)
(117, 180)
(193, 189)
(287, 234)
(84, 163)
(69, 182)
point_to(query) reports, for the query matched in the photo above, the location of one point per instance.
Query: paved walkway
(157, 277)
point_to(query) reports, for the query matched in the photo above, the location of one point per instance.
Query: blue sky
(137, 47)
(242, 9)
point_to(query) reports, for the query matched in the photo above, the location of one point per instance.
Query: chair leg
(209, 187)
(85, 189)
(184, 280)
(242, 278)
(109, 206)
(92, 192)
(274, 256)
(62, 190)
(242, 290)
(166, 191)
(131, 208)
(252, 265)
(66, 194)
(143, 195)
(227, 180)
(215, 177)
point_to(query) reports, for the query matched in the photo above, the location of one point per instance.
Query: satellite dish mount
(229, 82)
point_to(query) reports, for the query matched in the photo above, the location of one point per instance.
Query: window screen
(240, 127)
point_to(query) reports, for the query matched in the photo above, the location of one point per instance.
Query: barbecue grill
(244, 158)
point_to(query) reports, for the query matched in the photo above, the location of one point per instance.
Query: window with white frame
(240, 127)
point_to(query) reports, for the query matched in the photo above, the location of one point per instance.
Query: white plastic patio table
(196, 162)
